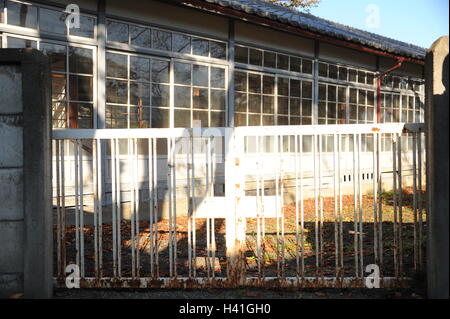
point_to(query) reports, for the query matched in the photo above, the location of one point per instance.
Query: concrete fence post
(25, 174)
(436, 117)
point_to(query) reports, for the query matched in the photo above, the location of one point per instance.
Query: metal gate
(301, 206)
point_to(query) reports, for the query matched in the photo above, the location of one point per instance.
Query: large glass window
(45, 19)
(199, 95)
(138, 92)
(362, 105)
(72, 75)
(22, 15)
(332, 104)
(274, 60)
(263, 99)
(72, 85)
(165, 40)
(345, 73)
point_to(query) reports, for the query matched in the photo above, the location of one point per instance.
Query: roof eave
(217, 9)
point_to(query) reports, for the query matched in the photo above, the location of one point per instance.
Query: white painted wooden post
(235, 221)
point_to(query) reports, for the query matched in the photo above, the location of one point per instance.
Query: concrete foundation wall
(25, 174)
(437, 119)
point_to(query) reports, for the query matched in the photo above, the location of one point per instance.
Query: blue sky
(418, 22)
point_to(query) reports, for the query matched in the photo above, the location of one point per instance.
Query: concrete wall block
(11, 194)
(10, 284)
(11, 92)
(12, 248)
(11, 154)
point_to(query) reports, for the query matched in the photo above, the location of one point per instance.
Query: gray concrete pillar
(25, 174)
(436, 117)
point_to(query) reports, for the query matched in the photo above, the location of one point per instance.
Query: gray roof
(318, 25)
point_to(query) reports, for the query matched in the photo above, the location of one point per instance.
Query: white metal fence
(284, 205)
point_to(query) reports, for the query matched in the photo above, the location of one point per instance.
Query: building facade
(140, 64)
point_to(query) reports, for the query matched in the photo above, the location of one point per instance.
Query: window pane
(52, 21)
(332, 93)
(160, 118)
(268, 104)
(254, 103)
(282, 62)
(59, 86)
(81, 88)
(80, 60)
(160, 71)
(140, 36)
(80, 115)
(200, 75)
(86, 28)
(162, 40)
(323, 69)
(240, 102)
(139, 117)
(59, 114)
(294, 107)
(200, 47)
(240, 119)
(283, 105)
(116, 91)
(254, 120)
(268, 84)
(182, 118)
(283, 86)
(268, 120)
(182, 97)
(139, 93)
(322, 92)
(343, 73)
(240, 81)
(181, 43)
(353, 97)
(295, 88)
(283, 120)
(270, 59)
(201, 116)
(241, 54)
(217, 119)
(116, 116)
(352, 75)
(333, 71)
(182, 73)
(16, 43)
(56, 54)
(296, 64)
(361, 97)
(139, 69)
(116, 65)
(22, 15)
(200, 98)
(254, 83)
(361, 77)
(307, 66)
(307, 89)
(218, 50)
(160, 95)
(217, 77)
(218, 99)
(342, 94)
(370, 98)
(306, 108)
(256, 57)
(370, 78)
(117, 32)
